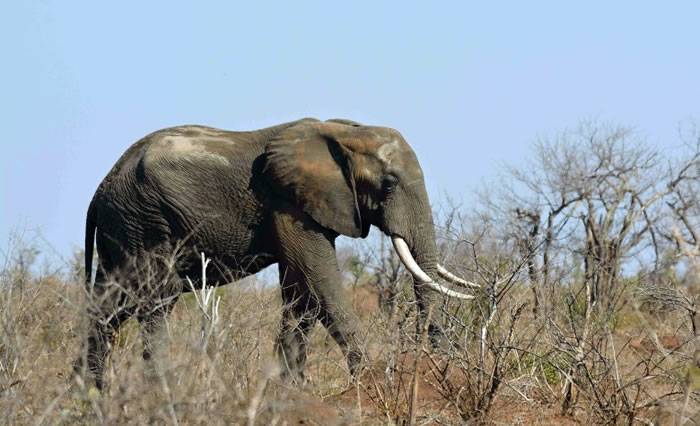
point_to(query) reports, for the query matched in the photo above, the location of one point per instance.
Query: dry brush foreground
(645, 371)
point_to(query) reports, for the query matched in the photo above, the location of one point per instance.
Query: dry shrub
(501, 364)
(230, 380)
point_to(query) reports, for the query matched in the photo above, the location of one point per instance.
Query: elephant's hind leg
(106, 312)
(152, 320)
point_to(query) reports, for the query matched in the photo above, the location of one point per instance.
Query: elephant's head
(348, 176)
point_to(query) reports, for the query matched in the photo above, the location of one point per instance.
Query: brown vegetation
(233, 380)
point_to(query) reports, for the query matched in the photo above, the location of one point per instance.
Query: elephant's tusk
(407, 259)
(449, 276)
(446, 291)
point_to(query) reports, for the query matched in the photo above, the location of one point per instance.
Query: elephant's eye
(389, 183)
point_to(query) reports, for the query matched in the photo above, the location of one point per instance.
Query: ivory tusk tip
(449, 276)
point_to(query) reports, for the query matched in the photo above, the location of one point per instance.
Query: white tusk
(449, 276)
(407, 259)
(446, 291)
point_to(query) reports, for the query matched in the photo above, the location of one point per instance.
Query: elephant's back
(186, 182)
(194, 145)
(189, 182)
(198, 165)
(200, 145)
(182, 155)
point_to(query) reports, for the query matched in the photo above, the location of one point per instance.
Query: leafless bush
(491, 341)
(232, 379)
(590, 206)
(664, 299)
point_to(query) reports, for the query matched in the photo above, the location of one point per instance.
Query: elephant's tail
(90, 228)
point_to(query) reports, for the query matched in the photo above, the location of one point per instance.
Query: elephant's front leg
(299, 315)
(311, 290)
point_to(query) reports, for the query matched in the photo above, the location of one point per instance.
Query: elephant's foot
(292, 377)
(355, 363)
(439, 341)
(86, 379)
(152, 370)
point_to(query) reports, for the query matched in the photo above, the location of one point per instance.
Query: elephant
(250, 199)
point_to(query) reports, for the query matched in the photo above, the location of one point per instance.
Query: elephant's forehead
(388, 151)
(397, 154)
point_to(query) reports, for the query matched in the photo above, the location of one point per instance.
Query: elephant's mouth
(420, 276)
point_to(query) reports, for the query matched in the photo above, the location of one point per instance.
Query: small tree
(589, 196)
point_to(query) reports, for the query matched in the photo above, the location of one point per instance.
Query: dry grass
(233, 379)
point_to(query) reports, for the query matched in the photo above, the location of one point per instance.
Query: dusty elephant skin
(248, 200)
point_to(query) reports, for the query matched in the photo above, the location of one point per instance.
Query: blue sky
(469, 84)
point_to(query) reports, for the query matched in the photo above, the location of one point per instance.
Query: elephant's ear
(314, 170)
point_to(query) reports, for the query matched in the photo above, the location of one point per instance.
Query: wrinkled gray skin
(248, 200)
